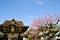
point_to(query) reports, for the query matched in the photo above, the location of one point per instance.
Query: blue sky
(27, 10)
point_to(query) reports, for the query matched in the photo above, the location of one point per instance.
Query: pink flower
(46, 20)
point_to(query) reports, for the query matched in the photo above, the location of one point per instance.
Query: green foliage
(30, 38)
(23, 35)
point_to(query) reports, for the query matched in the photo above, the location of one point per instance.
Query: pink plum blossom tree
(45, 21)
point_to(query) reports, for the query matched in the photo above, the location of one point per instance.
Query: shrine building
(11, 29)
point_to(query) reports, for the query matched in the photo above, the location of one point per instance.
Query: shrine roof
(13, 22)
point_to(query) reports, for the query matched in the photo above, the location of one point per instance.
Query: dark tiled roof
(12, 22)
